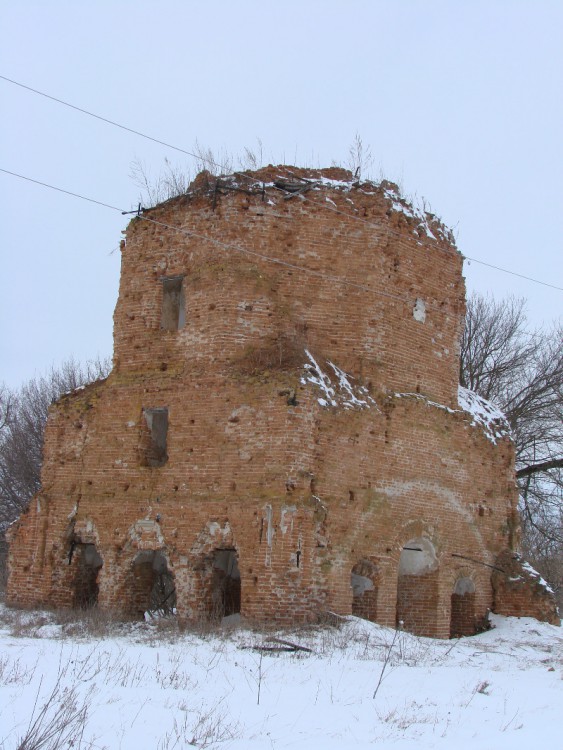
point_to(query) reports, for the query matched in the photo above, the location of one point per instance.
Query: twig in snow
(386, 661)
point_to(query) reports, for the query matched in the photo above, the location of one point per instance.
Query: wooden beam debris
(279, 646)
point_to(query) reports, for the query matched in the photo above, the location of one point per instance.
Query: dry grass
(283, 354)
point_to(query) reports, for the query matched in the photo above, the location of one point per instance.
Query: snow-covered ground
(147, 686)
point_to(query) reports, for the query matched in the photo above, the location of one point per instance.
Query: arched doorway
(87, 563)
(364, 581)
(417, 587)
(152, 585)
(462, 621)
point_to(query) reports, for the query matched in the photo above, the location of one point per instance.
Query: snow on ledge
(485, 414)
(415, 209)
(341, 392)
(533, 573)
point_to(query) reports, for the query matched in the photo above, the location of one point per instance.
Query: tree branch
(556, 463)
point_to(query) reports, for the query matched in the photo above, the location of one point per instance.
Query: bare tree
(23, 414)
(6, 407)
(522, 372)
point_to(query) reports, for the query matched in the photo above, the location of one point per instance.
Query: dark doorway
(225, 584)
(87, 564)
(152, 585)
(462, 620)
(364, 581)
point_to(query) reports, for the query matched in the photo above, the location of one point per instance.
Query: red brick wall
(519, 591)
(463, 615)
(417, 596)
(255, 462)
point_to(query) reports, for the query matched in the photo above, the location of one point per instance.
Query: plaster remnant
(286, 518)
(419, 311)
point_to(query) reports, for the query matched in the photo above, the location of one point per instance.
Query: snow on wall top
(302, 181)
(484, 413)
(533, 573)
(338, 390)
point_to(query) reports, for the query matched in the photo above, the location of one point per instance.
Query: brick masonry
(217, 432)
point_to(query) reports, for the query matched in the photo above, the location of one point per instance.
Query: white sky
(461, 102)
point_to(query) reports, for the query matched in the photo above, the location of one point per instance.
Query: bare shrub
(172, 181)
(59, 723)
(208, 728)
(87, 623)
(360, 159)
(252, 158)
(280, 354)
(13, 672)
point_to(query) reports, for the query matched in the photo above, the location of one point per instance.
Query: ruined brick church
(282, 434)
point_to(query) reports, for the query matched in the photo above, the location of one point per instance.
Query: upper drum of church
(245, 272)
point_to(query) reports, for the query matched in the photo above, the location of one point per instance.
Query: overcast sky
(461, 102)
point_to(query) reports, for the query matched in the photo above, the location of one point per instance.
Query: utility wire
(513, 273)
(60, 190)
(209, 160)
(105, 119)
(226, 245)
(245, 250)
(465, 257)
(278, 261)
(200, 157)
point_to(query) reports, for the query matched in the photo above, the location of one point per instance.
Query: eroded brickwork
(272, 432)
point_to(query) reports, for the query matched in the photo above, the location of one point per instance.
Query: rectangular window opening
(173, 304)
(154, 437)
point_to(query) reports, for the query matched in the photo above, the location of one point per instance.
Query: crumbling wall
(304, 429)
(520, 591)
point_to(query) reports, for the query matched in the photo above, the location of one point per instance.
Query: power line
(465, 257)
(59, 190)
(254, 254)
(278, 261)
(328, 207)
(513, 273)
(209, 160)
(200, 157)
(226, 245)
(104, 119)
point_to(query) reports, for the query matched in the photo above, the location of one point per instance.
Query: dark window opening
(154, 437)
(173, 315)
